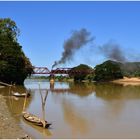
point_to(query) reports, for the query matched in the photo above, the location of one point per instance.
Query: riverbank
(128, 81)
(9, 129)
(1, 86)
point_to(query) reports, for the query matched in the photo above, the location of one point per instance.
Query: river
(79, 110)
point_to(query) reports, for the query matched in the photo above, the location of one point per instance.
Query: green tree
(8, 28)
(80, 72)
(14, 65)
(108, 71)
(90, 77)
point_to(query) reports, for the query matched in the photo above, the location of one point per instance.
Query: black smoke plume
(77, 40)
(113, 52)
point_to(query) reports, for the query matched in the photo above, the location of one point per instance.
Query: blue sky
(46, 25)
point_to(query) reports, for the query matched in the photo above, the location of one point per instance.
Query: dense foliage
(108, 71)
(82, 71)
(14, 65)
(130, 69)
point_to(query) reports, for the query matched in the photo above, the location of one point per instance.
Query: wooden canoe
(20, 94)
(35, 120)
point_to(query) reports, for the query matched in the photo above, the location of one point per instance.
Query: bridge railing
(41, 70)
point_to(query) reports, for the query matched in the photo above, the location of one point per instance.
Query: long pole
(5, 84)
(24, 103)
(43, 105)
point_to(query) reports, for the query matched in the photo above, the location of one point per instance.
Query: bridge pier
(52, 79)
(51, 85)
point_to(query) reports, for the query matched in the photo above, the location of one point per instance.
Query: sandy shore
(128, 81)
(1, 86)
(9, 129)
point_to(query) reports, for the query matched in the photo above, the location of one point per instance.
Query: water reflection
(110, 91)
(82, 89)
(79, 89)
(81, 110)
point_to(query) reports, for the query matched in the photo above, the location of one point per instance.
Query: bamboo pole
(24, 103)
(5, 84)
(43, 105)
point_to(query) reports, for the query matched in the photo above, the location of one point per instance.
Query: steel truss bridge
(45, 70)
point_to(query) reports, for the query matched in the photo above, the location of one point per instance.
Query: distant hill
(129, 68)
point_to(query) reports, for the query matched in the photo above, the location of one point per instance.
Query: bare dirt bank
(128, 81)
(8, 125)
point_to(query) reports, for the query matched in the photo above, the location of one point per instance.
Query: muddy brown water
(79, 110)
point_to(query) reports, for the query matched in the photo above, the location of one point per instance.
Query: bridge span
(45, 70)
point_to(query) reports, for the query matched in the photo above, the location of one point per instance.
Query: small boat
(20, 94)
(35, 120)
